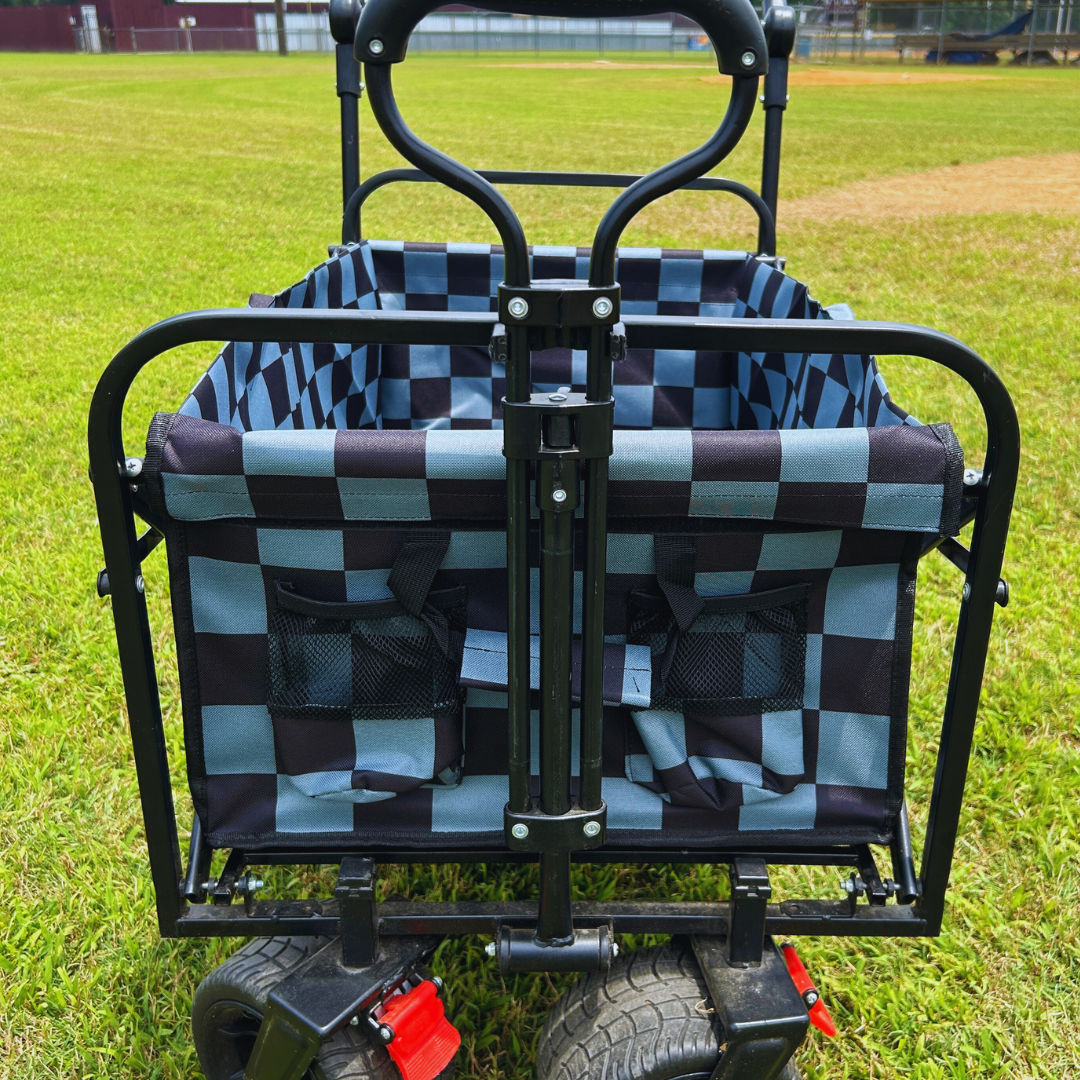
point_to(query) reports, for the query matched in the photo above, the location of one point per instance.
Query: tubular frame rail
(350, 222)
(179, 917)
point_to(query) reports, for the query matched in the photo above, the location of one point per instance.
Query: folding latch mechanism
(558, 425)
(576, 830)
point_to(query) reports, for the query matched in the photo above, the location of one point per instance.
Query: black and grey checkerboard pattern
(291, 385)
(830, 770)
(901, 477)
(311, 467)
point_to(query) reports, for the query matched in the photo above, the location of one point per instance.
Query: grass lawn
(138, 187)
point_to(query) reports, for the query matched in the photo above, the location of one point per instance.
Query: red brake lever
(819, 1015)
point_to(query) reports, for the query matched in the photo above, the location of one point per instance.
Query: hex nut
(491, 948)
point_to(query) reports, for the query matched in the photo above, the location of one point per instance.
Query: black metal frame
(565, 440)
(123, 557)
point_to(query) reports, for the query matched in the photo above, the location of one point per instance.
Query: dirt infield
(594, 65)
(1047, 182)
(832, 77)
(798, 77)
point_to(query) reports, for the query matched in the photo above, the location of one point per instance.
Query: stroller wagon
(499, 554)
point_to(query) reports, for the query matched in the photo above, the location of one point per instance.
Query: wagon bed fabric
(283, 467)
(282, 385)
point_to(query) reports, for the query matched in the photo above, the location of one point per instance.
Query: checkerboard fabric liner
(275, 385)
(902, 477)
(313, 496)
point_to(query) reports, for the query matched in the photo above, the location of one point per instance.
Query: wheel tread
(637, 1022)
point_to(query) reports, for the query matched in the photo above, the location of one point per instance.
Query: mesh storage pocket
(373, 684)
(364, 661)
(742, 655)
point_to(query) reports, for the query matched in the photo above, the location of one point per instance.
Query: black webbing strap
(415, 567)
(676, 558)
(412, 576)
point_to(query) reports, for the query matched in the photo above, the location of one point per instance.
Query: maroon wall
(48, 27)
(36, 29)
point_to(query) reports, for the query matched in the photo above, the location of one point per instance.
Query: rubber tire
(234, 996)
(640, 1021)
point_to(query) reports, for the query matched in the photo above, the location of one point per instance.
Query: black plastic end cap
(780, 31)
(344, 15)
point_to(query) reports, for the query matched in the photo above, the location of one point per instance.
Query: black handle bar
(766, 225)
(733, 26)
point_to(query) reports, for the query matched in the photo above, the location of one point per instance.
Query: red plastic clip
(424, 1040)
(819, 1015)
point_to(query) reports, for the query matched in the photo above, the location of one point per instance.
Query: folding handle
(733, 26)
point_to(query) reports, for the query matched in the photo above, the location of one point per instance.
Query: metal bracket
(763, 1017)
(777, 262)
(224, 888)
(576, 830)
(321, 997)
(750, 892)
(358, 911)
(564, 302)
(959, 556)
(560, 311)
(561, 425)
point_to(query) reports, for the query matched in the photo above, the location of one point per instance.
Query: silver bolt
(519, 831)
(386, 1033)
(133, 466)
(748, 58)
(490, 948)
(614, 950)
(437, 981)
(966, 594)
(139, 583)
(375, 47)
(518, 307)
(592, 828)
(355, 1021)
(602, 307)
(558, 495)
(556, 397)
(761, 98)
(972, 477)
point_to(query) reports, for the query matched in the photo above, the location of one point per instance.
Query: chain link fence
(835, 30)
